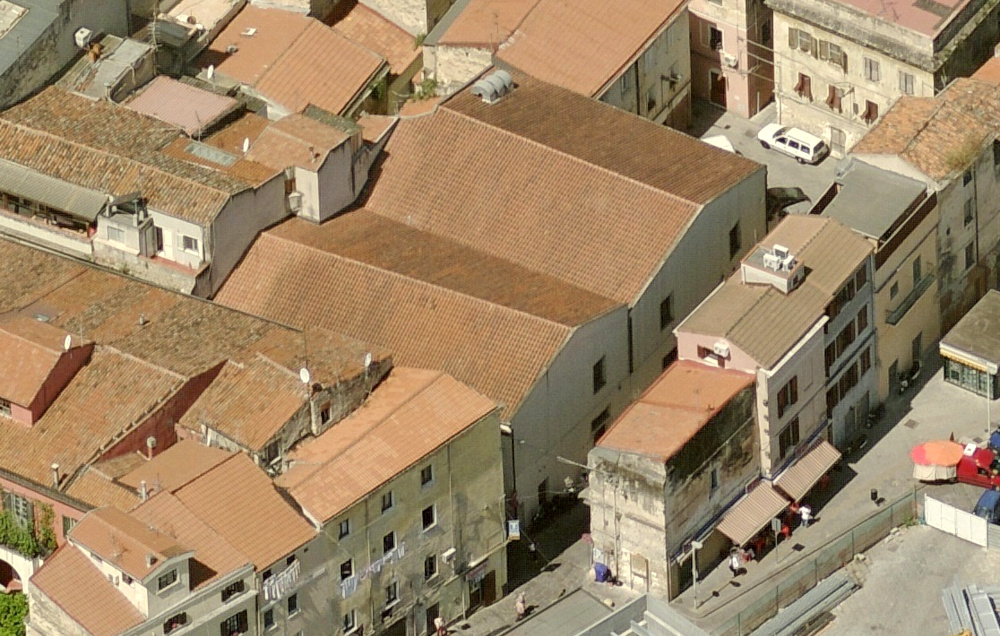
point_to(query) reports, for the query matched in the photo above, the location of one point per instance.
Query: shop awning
(54, 193)
(801, 476)
(753, 512)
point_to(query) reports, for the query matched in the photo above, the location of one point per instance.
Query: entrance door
(838, 141)
(396, 629)
(432, 612)
(894, 377)
(167, 246)
(490, 588)
(916, 348)
(717, 92)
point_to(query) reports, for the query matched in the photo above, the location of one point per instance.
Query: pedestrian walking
(439, 629)
(734, 563)
(806, 513)
(520, 607)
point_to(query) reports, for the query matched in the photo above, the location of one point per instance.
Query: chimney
(143, 493)
(143, 321)
(55, 474)
(150, 445)
(150, 559)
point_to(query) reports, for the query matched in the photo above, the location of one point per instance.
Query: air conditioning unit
(721, 349)
(448, 555)
(730, 61)
(83, 37)
(295, 201)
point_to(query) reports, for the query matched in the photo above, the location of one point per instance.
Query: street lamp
(695, 546)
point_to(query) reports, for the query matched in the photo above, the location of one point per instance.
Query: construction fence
(803, 575)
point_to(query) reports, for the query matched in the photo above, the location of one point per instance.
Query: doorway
(717, 88)
(432, 612)
(838, 141)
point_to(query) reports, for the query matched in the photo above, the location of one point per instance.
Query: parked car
(979, 467)
(988, 506)
(802, 146)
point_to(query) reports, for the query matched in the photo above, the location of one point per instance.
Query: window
(788, 395)
(4, 407)
(234, 625)
(268, 618)
(190, 243)
(388, 501)
(21, 508)
(350, 621)
(600, 375)
(845, 338)
(391, 593)
(116, 234)
(667, 311)
(714, 478)
(290, 560)
(765, 32)
(862, 319)
(345, 528)
(861, 277)
(849, 380)
(969, 203)
(600, 424)
(873, 72)
(830, 356)
(649, 57)
(834, 98)
(967, 177)
(734, 241)
(788, 438)
(804, 87)
(670, 358)
(916, 271)
(166, 580)
(231, 590)
(426, 475)
(625, 83)
(270, 453)
(866, 361)
(68, 523)
(347, 569)
(714, 38)
(801, 40)
(174, 622)
(905, 83)
(389, 543)
(832, 398)
(430, 566)
(833, 54)
(970, 255)
(894, 290)
(324, 414)
(265, 575)
(871, 112)
(428, 517)
(293, 604)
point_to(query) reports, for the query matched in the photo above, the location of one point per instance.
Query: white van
(805, 148)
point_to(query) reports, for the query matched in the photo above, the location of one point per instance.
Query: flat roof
(853, 205)
(978, 332)
(571, 614)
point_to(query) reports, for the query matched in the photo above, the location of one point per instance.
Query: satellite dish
(67, 342)
(304, 375)
(246, 144)
(210, 73)
(368, 360)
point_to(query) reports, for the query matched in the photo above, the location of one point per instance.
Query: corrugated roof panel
(54, 193)
(804, 473)
(752, 513)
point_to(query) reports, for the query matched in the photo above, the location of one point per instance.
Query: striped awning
(801, 476)
(751, 513)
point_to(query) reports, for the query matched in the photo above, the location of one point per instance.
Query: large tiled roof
(766, 323)
(183, 105)
(942, 135)
(369, 29)
(583, 45)
(293, 59)
(671, 411)
(486, 23)
(111, 394)
(413, 413)
(605, 137)
(75, 584)
(508, 196)
(31, 350)
(174, 467)
(125, 542)
(366, 237)
(495, 349)
(239, 502)
(295, 140)
(248, 402)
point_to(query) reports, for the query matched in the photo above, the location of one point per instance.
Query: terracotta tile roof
(99, 490)
(105, 397)
(583, 45)
(372, 31)
(239, 502)
(175, 466)
(124, 541)
(242, 168)
(674, 408)
(230, 138)
(115, 467)
(331, 357)
(181, 104)
(410, 415)
(296, 140)
(248, 403)
(75, 584)
(513, 198)
(293, 60)
(486, 23)
(373, 127)
(606, 137)
(31, 351)
(496, 350)
(415, 107)
(368, 238)
(989, 71)
(214, 556)
(745, 315)
(939, 135)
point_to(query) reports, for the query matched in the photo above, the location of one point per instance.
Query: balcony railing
(918, 290)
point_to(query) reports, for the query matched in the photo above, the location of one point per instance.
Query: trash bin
(602, 574)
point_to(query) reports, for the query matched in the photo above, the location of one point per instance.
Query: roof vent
(493, 86)
(150, 559)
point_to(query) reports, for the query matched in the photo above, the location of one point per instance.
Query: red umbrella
(937, 453)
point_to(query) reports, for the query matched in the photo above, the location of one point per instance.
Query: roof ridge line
(170, 372)
(39, 345)
(698, 206)
(417, 281)
(279, 367)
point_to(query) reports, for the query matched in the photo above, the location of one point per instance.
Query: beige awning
(801, 476)
(753, 512)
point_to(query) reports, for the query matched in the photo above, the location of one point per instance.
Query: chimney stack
(55, 474)
(150, 445)
(143, 493)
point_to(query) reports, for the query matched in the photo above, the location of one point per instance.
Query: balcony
(918, 290)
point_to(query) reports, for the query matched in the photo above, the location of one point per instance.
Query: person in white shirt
(806, 513)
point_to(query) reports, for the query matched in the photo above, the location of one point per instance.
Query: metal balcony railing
(918, 290)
